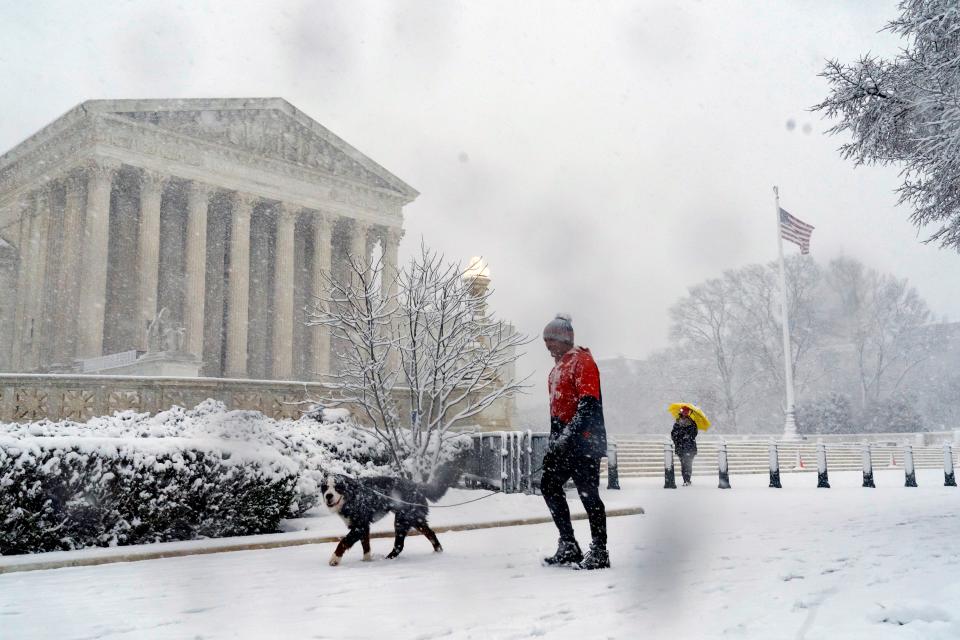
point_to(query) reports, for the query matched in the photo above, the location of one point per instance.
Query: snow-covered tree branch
(907, 111)
(421, 358)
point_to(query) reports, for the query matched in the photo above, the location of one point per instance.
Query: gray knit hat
(559, 329)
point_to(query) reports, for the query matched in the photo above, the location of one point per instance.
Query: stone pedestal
(176, 364)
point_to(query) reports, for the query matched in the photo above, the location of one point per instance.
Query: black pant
(557, 469)
(686, 465)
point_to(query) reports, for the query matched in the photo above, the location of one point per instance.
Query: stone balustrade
(31, 397)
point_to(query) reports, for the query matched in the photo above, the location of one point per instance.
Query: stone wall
(30, 397)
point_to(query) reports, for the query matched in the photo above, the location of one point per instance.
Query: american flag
(796, 231)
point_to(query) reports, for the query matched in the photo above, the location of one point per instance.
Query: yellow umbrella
(696, 414)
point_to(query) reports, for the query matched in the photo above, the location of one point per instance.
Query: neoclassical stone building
(221, 212)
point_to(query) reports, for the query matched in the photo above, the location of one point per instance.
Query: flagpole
(789, 425)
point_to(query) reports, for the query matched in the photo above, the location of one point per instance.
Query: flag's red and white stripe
(796, 231)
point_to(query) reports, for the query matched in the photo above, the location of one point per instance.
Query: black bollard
(908, 471)
(722, 469)
(669, 481)
(774, 466)
(823, 480)
(613, 476)
(868, 467)
(949, 479)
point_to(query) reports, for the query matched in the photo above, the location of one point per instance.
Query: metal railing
(512, 462)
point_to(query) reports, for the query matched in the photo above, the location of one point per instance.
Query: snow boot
(568, 552)
(597, 558)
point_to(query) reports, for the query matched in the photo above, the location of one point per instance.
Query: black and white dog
(362, 501)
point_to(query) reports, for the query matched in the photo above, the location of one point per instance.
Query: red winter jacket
(576, 408)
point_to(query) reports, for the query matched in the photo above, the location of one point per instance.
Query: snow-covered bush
(203, 472)
(71, 492)
(831, 413)
(325, 442)
(895, 415)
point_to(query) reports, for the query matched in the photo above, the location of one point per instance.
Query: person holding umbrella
(688, 421)
(578, 439)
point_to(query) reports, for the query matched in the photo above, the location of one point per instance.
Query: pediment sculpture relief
(264, 132)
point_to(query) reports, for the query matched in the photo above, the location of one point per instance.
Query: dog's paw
(368, 557)
(334, 560)
(438, 549)
(390, 556)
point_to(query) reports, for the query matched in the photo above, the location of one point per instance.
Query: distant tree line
(865, 351)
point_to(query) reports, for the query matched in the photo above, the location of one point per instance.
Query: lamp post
(477, 276)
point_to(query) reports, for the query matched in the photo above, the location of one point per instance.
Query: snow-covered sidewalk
(318, 524)
(747, 563)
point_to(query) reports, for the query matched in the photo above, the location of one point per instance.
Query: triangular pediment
(269, 127)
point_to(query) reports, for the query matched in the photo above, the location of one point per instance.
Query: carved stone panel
(285, 407)
(31, 404)
(124, 401)
(175, 397)
(247, 401)
(78, 405)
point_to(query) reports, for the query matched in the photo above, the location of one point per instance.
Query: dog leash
(436, 506)
(447, 506)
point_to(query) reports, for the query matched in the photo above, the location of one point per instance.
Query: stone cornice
(137, 144)
(50, 153)
(44, 135)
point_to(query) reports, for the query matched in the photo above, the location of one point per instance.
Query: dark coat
(684, 437)
(576, 406)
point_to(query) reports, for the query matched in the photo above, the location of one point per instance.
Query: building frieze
(184, 149)
(265, 132)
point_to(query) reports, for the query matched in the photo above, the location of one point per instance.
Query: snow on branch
(906, 111)
(422, 338)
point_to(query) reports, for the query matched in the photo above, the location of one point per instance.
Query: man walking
(578, 440)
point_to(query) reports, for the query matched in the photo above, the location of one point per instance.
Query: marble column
(39, 291)
(24, 267)
(373, 236)
(391, 261)
(96, 236)
(322, 250)
(151, 195)
(238, 287)
(68, 284)
(358, 241)
(388, 284)
(358, 249)
(195, 267)
(262, 231)
(8, 305)
(283, 293)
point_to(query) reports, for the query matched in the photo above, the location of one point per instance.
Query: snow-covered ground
(752, 562)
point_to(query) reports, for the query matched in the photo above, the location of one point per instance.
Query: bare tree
(423, 357)
(881, 318)
(704, 326)
(755, 292)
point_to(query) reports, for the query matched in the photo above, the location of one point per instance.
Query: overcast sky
(603, 156)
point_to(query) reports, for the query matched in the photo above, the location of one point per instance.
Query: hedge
(182, 474)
